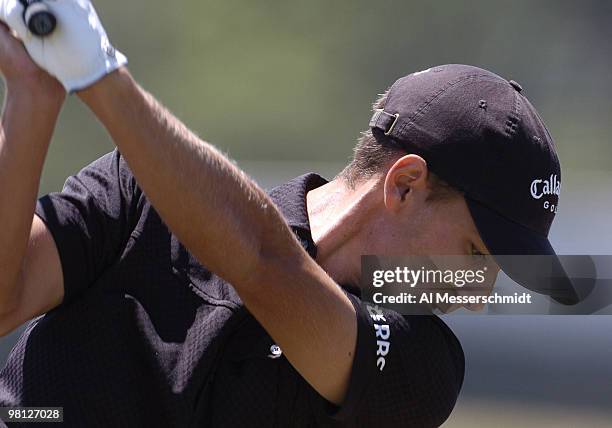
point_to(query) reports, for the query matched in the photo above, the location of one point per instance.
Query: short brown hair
(371, 156)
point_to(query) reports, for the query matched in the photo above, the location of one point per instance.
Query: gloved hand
(78, 53)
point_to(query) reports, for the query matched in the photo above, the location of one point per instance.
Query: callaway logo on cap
(479, 133)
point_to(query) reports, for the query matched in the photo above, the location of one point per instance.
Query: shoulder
(408, 370)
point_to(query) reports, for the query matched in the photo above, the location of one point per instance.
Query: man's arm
(30, 270)
(232, 227)
(216, 211)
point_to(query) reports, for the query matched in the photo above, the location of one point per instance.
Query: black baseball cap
(479, 133)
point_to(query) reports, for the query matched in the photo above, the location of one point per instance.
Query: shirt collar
(290, 198)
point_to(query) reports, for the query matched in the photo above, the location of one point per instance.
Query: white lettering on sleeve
(383, 334)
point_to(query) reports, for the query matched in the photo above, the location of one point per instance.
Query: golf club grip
(39, 18)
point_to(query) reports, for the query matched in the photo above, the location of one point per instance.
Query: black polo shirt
(147, 336)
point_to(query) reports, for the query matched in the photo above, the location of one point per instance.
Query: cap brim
(509, 242)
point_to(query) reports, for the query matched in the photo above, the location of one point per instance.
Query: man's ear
(407, 178)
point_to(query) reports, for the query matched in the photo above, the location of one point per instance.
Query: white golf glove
(78, 53)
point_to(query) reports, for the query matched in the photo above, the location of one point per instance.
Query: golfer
(169, 290)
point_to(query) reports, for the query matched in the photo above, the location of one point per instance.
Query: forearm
(233, 228)
(28, 121)
(214, 209)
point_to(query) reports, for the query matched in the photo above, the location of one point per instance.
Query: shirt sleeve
(407, 371)
(90, 220)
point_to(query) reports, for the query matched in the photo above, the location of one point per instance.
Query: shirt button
(275, 352)
(515, 85)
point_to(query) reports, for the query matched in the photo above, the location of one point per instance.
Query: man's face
(413, 222)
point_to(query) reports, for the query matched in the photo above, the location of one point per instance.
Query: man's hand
(20, 71)
(78, 53)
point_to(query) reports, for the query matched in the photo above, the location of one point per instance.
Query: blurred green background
(286, 87)
(294, 80)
